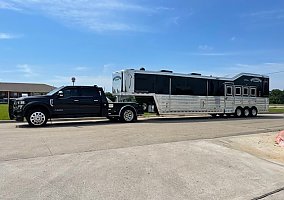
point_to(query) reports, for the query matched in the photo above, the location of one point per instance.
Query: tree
(276, 96)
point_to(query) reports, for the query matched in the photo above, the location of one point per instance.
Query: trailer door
(229, 100)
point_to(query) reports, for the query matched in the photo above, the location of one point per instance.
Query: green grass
(147, 115)
(276, 108)
(4, 114)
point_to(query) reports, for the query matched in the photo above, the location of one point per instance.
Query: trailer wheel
(37, 117)
(246, 112)
(213, 115)
(238, 112)
(128, 115)
(253, 112)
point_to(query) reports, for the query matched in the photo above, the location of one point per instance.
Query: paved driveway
(151, 159)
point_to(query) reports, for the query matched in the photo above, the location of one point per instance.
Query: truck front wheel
(37, 117)
(128, 115)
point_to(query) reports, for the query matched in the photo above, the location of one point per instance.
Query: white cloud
(81, 68)
(7, 36)
(8, 6)
(205, 47)
(102, 81)
(26, 70)
(268, 14)
(99, 15)
(214, 54)
(108, 68)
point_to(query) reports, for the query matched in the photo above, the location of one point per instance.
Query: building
(15, 90)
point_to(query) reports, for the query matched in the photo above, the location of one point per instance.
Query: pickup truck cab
(71, 102)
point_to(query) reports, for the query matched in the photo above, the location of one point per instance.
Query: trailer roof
(195, 75)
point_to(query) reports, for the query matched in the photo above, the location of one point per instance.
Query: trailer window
(238, 91)
(253, 92)
(117, 83)
(229, 90)
(145, 83)
(245, 91)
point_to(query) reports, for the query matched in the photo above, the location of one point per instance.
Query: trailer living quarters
(165, 92)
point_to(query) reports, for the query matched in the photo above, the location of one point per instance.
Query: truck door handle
(96, 100)
(76, 100)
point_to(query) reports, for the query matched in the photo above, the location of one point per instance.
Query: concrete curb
(7, 121)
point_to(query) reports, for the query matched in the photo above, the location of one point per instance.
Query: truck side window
(90, 92)
(70, 92)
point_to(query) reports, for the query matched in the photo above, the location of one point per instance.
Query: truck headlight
(110, 105)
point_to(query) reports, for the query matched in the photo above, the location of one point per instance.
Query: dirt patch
(260, 145)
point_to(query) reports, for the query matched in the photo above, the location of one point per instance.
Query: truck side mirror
(60, 94)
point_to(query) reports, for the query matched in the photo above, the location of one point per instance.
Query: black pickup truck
(73, 101)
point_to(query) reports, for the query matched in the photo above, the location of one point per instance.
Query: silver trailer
(165, 92)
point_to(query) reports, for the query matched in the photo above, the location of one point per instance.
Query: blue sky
(50, 41)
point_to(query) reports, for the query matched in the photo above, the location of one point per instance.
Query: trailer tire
(128, 114)
(253, 112)
(238, 112)
(37, 117)
(246, 112)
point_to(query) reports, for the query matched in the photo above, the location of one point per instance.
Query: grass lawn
(276, 108)
(4, 114)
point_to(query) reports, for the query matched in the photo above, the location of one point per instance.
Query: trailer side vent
(196, 74)
(169, 71)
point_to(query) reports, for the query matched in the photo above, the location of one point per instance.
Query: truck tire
(37, 117)
(128, 115)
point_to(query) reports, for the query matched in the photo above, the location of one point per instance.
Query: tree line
(276, 96)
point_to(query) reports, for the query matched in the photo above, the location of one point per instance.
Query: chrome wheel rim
(246, 112)
(239, 112)
(128, 115)
(37, 118)
(253, 112)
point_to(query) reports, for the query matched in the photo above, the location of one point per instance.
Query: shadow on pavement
(182, 119)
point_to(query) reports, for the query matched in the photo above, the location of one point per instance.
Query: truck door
(229, 100)
(66, 101)
(90, 101)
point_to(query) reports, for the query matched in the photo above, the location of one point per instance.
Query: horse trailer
(165, 92)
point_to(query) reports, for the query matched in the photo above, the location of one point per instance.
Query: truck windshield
(54, 91)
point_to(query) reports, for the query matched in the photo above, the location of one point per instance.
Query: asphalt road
(161, 158)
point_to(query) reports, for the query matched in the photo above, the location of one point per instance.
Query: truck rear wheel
(37, 117)
(128, 115)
